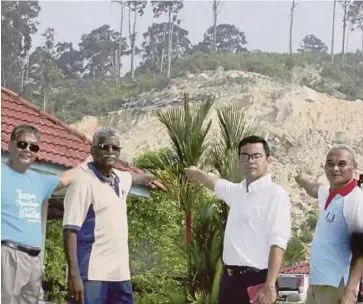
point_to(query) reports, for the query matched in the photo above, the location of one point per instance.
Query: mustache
(109, 156)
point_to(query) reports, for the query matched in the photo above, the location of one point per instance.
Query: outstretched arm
(142, 178)
(66, 177)
(206, 179)
(312, 188)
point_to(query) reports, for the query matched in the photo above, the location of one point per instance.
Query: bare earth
(302, 125)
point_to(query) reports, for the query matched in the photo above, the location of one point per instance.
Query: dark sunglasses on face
(104, 147)
(23, 145)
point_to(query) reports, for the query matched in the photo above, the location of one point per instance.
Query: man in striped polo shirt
(95, 227)
(332, 280)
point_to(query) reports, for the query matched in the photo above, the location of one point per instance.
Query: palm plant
(187, 128)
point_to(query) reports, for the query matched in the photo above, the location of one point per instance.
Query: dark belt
(241, 270)
(32, 251)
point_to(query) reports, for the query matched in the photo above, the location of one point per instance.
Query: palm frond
(187, 130)
(234, 126)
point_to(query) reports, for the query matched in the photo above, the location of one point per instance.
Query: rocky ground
(302, 125)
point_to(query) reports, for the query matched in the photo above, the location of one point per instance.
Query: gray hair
(103, 133)
(24, 129)
(346, 148)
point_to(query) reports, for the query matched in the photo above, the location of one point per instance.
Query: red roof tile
(300, 269)
(61, 144)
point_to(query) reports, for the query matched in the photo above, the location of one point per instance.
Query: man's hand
(192, 173)
(301, 177)
(349, 296)
(76, 289)
(266, 295)
(303, 180)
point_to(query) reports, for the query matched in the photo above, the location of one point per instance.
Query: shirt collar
(112, 179)
(257, 184)
(345, 190)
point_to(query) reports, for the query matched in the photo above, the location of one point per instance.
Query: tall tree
(292, 11)
(345, 6)
(44, 70)
(120, 40)
(137, 9)
(172, 9)
(355, 15)
(333, 31)
(18, 24)
(154, 43)
(69, 60)
(98, 49)
(229, 39)
(217, 7)
(312, 44)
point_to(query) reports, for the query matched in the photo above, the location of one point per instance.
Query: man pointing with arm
(23, 192)
(341, 213)
(258, 226)
(95, 227)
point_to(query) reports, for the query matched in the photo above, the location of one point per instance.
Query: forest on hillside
(175, 236)
(71, 81)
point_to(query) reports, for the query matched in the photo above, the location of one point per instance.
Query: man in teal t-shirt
(22, 194)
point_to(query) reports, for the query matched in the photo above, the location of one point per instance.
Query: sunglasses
(23, 145)
(108, 147)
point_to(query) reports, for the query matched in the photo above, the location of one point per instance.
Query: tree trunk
(362, 40)
(163, 52)
(215, 14)
(119, 62)
(291, 25)
(347, 43)
(188, 227)
(345, 9)
(133, 45)
(44, 99)
(170, 41)
(333, 31)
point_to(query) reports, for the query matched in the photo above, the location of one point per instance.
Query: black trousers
(235, 281)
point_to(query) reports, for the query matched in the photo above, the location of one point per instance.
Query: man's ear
(10, 145)
(355, 165)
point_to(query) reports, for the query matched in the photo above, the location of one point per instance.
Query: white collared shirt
(257, 220)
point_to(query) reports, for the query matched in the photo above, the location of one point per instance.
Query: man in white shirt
(95, 226)
(258, 226)
(332, 280)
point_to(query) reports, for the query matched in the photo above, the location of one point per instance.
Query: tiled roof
(300, 269)
(61, 144)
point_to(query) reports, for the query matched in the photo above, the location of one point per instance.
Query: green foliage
(295, 252)
(312, 44)
(206, 247)
(54, 280)
(152, 289)
(154, 235)
(297, 247)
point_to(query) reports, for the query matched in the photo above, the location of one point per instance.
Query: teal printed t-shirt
(22, 195)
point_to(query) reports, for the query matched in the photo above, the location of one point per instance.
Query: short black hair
(24, 129)
(253, 139)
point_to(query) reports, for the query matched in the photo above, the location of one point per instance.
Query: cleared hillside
(302, 124)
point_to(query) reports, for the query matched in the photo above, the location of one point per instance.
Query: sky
(265, 23)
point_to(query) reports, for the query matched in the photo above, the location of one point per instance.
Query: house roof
(61, 144)
(300, 269)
